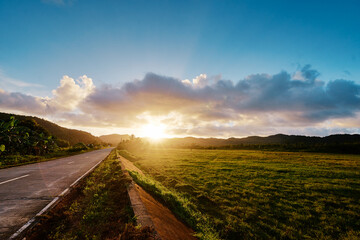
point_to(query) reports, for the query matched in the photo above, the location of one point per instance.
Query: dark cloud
(301, 98)
(259, 93)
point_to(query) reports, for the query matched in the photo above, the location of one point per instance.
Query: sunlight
(154, 131)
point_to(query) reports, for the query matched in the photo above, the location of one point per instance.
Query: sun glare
(154, 131)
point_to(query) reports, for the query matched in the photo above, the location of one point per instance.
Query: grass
(180, 205)
(18, 160)
(260, 195)
(98, 208)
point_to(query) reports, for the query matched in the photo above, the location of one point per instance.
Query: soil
(166, 224)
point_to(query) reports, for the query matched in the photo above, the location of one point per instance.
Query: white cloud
(70, 94)
(187, 82)
(200, 81)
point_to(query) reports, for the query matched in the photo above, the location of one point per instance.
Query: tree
(24, 137)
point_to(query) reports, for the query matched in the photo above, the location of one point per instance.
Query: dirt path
(166, 224)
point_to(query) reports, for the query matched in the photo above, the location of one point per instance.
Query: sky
(185, 68)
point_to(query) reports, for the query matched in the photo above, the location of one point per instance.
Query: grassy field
(260, 195)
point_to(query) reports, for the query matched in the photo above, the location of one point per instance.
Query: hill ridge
(73, 136)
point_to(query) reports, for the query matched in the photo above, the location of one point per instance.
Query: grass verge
(179, 205)
(128, 155)
(98, 208)
(18, 160)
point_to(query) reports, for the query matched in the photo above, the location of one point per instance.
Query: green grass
(180, 205)
(97, 209)
(263, 195)
(18, 160)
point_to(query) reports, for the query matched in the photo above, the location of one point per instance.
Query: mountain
(71, 135)
(114, 139)
(279, 139)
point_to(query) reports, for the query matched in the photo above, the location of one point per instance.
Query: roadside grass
(128, 155)
(18, 160)
(259, 195)
(179, 205)
(98, 208)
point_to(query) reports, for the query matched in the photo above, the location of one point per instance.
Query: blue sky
(115, 42)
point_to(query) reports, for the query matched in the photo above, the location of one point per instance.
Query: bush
(25, 137)
(78, 147)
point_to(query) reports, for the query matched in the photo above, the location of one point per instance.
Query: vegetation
(114, 139)
(17, 160)
(25, 141)
(340, 143)
(97, 209)
(249, 194)
(180, 205)
(25, 137)
(68, 135)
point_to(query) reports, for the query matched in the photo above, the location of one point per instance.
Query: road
(25, 190)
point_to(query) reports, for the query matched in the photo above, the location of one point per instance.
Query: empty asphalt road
(27, 189)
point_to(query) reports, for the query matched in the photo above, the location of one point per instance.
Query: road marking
(18, 232)
(77, 180)
(47, 206)
(70, 162)
(10, 180)
(32, 220)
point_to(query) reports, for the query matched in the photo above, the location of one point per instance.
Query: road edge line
(50, 205)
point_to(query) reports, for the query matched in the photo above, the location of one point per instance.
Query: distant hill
(114, 139)
(280, 139)
(71, 135)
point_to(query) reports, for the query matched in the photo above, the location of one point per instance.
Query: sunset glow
(154, 131)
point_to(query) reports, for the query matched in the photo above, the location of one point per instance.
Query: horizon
(157, 139)
(174, 69)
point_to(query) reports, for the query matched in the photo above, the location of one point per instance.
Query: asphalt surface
(26, 190)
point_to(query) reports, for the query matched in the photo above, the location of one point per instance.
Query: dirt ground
(166, 224)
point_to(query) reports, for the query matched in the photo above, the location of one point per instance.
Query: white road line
(10, 180)
(47, 206)
(24, 227)
(77, 180)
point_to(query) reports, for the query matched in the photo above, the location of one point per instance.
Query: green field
(263, 195)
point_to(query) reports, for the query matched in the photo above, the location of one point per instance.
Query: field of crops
(263, 195)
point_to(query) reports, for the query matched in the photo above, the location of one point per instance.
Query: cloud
(8, 82)
(66, 98)
(260, 104)
(21, 102)
(69, 94)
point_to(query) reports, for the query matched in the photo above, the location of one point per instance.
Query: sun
(154, 131)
